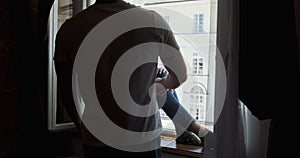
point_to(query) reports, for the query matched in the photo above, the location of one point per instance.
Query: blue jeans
(172, 104)
(171, 107)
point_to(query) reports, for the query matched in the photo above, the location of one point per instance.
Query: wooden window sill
(169, 146)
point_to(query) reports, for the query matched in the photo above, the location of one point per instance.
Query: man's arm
(175, 65)
(64, 82)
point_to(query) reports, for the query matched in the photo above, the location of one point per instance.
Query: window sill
(169, 146)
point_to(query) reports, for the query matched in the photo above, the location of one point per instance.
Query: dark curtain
(228, 135)
(34, 139)
(269, 70)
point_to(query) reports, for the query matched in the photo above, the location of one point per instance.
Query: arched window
(198, 102)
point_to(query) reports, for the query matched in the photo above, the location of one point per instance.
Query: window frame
(52, 82)
(197, 69)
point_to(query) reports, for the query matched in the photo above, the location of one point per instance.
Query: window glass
(194, 26)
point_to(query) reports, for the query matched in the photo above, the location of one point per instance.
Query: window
(199, 51)
(65, 11)
(197, 103)
(198, 26)
(58, 119)
(197, 64)
(167, 19)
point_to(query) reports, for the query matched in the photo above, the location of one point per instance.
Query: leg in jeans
(183, 119)
(172, 105)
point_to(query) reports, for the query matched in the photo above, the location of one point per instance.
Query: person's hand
(161, 70)
(158, 80)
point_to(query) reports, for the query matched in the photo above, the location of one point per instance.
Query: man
(155, 38)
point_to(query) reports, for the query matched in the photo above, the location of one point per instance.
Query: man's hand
(164, 78)
(161, 70)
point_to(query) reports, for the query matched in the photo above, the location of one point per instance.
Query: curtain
(228, 139)
(256, 133)
(263, 72)
(269, 71)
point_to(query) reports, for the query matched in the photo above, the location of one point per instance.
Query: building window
(197, 103)
(197, 64)
(167, 18)
(198, 25)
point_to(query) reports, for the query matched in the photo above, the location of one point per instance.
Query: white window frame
(52, 78)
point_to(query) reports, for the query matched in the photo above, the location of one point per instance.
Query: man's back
(124, 73)
(75, 29)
